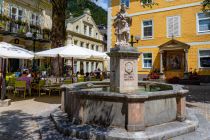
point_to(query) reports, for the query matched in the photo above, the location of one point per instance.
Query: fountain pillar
(123, 57)
(124, 69)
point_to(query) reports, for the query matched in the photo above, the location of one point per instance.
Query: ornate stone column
(186, 74)
(162, 76)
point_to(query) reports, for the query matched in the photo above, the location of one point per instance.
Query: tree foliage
(206, 5)
(99, 14)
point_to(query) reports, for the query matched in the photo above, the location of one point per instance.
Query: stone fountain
(123, 108)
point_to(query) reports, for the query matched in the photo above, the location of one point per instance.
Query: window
(81, 44)
(96, 48)
(203, 22)
(147, 29)
(33, 19)
(77, 29)
(17, 14)
(37, 20)
(126, 2)
(173, 26)
(85, 29)
(75, 42)
(14, 16)
(90, 31)
(87, 45)
(97, 35)
(92, 47)
(147, 60)
(20, 14)
(204, 58)
(14, 13)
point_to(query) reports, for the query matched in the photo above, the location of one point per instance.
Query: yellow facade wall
(189, 33)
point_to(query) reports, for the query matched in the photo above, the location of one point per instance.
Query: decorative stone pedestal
(5, 103)
(123, 69)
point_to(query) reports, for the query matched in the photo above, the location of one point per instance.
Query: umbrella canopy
(96, 55)
(70, 51)
(11, 51)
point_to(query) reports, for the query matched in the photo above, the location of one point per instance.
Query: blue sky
(102, 3)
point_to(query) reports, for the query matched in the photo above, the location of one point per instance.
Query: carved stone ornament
(129, 67)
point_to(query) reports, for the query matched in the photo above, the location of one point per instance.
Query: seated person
(87, 76)
(25, 78)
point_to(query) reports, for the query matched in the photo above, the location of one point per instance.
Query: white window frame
(179, 22)
(33, 20)
(125, 3)
(142, 30)
(16, 14)
(15, 26)
(85, 29)
(146, 59)
(197, 25)
(90, 31)
(199, 62)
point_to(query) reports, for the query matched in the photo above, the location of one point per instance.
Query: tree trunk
(3, 79)
(58, 33)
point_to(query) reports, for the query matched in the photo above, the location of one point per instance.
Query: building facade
(82, 31)
(17, 17)
(175, 36)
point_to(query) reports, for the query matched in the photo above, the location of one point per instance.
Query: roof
(71, 20)
(173, 45)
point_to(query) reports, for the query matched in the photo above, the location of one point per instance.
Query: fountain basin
(89, 103)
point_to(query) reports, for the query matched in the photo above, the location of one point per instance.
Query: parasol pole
(72, 64)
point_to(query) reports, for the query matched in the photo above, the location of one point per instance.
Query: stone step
(158, 132)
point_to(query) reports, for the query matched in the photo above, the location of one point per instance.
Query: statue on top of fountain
(122, 25)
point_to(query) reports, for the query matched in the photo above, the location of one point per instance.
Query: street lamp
(33, 36)
(132, 42)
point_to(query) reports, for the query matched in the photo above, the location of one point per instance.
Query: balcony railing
(9, 26)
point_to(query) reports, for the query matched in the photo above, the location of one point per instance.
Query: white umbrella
(68, 51)
(96, 54)
(11, 51)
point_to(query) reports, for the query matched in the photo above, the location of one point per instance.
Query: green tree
(206, 5)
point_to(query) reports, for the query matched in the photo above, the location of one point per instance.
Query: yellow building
(17, 17)
(175, 36)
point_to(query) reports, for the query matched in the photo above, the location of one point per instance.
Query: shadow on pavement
(16, 125)
(49, 99)
(198, 93)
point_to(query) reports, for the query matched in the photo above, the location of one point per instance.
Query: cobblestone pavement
(29, 119)
(199, 99)
(20, 121)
